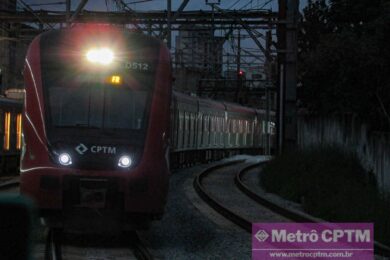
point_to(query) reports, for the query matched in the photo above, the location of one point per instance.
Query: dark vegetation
(331, 184)
(344, 59)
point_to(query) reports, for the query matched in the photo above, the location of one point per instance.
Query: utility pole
(287, 70)
(267, 91)
(169, 24)
(238, 72)
(211, 52)
(68, 7)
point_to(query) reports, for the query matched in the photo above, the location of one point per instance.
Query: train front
(96, 127)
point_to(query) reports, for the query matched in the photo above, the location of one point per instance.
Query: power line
(28, 8)
(53, 3)
(233, 4)
(262, 6)
(250, 2)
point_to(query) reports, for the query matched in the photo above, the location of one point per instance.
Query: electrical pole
(68, 7)
(169, 24)
(267, 91)
(287, 69)
(238, 72)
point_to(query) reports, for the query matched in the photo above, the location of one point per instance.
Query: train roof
(232, 107)
(181, 97)
(263, 111)
(209, 103)
(203, 102)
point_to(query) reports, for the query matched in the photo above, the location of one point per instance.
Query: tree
(344, 61)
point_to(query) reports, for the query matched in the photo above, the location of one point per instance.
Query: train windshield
(97, 106)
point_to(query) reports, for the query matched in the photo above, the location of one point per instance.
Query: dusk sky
(153, 5)
(100, 5)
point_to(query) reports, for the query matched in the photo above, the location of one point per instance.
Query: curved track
(246, 224)
(214, 203)
(140, 250)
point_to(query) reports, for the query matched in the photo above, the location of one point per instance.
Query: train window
(97, 107)
(264, 131)
(181, 120)
(205, 123)
(186, 120)
(7, 130)
(192, 129)
(200, 123)
(117, 101)
(19, 131)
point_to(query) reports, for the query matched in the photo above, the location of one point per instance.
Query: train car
(265, 134)
(239, 128)
(11, 135)
(96, 127)
(205, 130)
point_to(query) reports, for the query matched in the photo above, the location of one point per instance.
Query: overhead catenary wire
(230, 7)
(29, 9)
(45, 4)
(250, 2)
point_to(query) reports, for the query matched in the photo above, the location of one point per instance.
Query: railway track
(8, 184)
(244, 222)
(53, 248)
(140, 250)
(214, 203)
(55, 244)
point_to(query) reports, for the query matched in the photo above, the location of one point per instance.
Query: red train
(97, 128)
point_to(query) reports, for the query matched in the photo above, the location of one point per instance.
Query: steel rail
(140, 250)
(9, 184)
(53, 245)
(213, 202)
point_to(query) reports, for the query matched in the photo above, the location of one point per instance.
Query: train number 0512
(137, 66)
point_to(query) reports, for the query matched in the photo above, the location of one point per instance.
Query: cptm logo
(261, 235)
(82, 149)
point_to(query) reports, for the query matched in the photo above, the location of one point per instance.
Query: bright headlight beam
(124, 161)
(65, 159)
(102, 56)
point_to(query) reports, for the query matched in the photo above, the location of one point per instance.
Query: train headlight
(102, 56)
(124, 161)
(65, 159)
